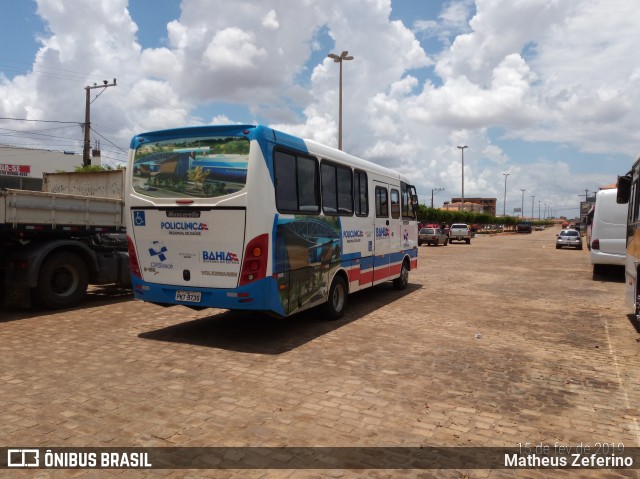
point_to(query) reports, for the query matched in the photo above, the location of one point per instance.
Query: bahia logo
(184, 226)
(353, 234)
(382, 232)
(219, 257)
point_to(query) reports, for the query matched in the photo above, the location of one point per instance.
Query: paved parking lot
(500, 342)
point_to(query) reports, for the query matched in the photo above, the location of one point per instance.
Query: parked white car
(460, 232)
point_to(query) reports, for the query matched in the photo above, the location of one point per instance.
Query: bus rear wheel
(337, 300)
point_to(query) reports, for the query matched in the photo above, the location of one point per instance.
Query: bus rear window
(191, 167)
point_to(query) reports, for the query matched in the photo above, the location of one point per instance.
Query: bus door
(382, 234)
(395, 241)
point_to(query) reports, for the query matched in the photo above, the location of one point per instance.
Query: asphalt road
(500, 343)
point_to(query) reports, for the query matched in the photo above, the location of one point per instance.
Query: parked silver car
(569, 237)
(432, 236)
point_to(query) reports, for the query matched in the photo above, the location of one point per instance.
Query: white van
(608, 231)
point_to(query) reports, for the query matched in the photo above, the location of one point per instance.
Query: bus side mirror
(624, 189)
(414, 199)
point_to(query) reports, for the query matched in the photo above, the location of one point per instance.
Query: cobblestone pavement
(500, 342)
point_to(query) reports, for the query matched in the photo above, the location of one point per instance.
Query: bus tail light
(254, 264)
(133, 259)
(595, 244)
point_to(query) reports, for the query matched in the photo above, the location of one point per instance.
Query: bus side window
(337, 190)
(395, 204)
(286, 188)
(308, 197)
(408, 211)
(329, 187)
(382, 202)
(361, 193)
(296, 183)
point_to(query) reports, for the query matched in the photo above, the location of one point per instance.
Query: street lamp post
(539, 202)
(532, 214)
(462, 151)
(432, 190)
(504, 205)
(338, 59)
(522, 208)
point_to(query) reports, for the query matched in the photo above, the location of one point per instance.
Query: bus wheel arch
(337, 298)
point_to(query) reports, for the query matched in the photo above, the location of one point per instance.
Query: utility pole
(86, 158)
(586, 194)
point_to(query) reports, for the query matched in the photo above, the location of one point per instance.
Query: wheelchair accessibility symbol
(139, 218)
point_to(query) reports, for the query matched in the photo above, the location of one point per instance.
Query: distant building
(488, 204)
(22, 168)
(468, 206)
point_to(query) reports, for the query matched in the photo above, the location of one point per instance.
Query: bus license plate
(188, 296)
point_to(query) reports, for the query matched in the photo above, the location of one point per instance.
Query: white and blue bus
(247, 217)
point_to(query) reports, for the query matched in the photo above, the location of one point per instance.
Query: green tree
(198, 175)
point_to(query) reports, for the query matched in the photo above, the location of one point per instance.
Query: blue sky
(543, 90)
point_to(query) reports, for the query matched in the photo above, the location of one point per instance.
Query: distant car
(524, 227)
(432, 236)
(569, 237)
(538, 228)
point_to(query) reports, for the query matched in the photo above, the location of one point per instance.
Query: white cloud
(233, 49)
(270, 20)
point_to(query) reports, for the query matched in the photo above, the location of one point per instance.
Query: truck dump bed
(38, 212)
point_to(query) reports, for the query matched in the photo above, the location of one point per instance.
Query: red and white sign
(15, 170)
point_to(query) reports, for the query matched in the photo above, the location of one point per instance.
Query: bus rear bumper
(259, 296)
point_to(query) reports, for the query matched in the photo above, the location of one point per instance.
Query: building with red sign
(22, 168)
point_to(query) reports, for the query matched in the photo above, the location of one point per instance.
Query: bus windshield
(203, 167)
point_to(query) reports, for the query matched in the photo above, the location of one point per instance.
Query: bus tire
(401, 281)
(62, 281)
(337, 300)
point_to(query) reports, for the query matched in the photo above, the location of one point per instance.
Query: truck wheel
(62, 281)
(337, 300)
(401, 281)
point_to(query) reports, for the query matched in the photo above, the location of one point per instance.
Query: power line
(41, 121)
(106, 139)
